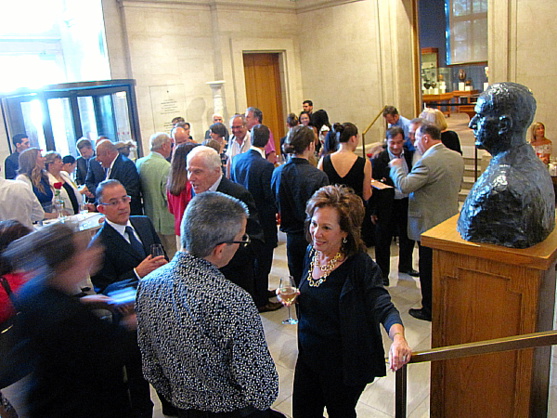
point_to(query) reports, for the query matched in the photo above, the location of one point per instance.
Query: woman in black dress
(344, 166)
(341, 304)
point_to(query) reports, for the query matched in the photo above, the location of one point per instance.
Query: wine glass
(156, 250)
(288, 292)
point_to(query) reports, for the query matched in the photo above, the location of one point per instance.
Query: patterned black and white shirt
(202, 339)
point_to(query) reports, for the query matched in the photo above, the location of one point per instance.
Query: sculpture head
(503, 113)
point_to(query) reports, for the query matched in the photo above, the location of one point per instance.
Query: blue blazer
(119, 257)
(254, 172)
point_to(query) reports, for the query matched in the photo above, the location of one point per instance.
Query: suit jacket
(125, 172)
(381, 201)
(11, 165)
(254, 172)
(433, 184)
(95, 174)
(153, 171)
(119, 257)
(81, 170)
(241, 268)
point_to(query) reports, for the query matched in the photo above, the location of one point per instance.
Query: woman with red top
(178, 188)
(9, 231)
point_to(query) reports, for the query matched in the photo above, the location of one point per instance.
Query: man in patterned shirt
(200, 335)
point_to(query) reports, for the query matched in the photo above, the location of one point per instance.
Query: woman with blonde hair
(542, 145)
(32, 171)
(61, 180)
(448, 138)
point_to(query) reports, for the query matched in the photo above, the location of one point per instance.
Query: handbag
(14, 356)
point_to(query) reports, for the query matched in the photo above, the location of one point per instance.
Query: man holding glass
(127, 241)
(200, 335)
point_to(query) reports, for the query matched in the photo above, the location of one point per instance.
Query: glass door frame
(13, 116)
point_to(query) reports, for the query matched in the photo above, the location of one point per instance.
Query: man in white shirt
(18, 202)
(240, 141)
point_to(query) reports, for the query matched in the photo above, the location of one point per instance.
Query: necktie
(134, 242)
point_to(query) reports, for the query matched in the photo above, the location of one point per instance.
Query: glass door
(56, 117)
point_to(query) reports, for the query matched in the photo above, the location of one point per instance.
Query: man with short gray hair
(205, 174)
(153, 171)
(200, 335)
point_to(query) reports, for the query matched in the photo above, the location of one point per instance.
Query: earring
(344, 240)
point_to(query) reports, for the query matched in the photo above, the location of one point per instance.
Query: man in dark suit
(127, 241)
(11, 164)
(254, 172)
(204, 173)
(122, 169)
(389, 208)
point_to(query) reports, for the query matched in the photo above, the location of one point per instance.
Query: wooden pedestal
(480, 292)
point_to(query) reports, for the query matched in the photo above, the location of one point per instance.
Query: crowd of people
(193, 329)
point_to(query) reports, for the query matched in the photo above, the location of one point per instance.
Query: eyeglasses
(243, 243)
(115, 202)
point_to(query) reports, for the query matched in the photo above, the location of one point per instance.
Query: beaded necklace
(326, 269)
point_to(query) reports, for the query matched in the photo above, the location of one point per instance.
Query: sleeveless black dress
(354, 178)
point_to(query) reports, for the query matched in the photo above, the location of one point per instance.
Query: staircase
(468, 178)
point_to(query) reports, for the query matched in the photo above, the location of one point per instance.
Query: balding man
(153, 171)
(181, 133)
(120, 168)
(240, 141)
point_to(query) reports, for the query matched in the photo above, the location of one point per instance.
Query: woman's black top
(354, 178)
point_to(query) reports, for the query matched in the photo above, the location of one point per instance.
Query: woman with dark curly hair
(341, 304)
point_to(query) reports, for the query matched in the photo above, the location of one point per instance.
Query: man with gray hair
(254, 116)
(200, 335)
(204, 174)
(153, 171)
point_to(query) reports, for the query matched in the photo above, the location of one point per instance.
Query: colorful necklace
(326, 269)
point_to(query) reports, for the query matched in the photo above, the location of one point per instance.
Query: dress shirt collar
(121, 228)
(215, 186)
(259, 150)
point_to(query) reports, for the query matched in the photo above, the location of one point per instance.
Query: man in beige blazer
(433, 184)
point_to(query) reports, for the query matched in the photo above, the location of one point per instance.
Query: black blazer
(254, 172)
(119, 257)
(241, 269)
(95, 174)
(125, 172)
(381, 201)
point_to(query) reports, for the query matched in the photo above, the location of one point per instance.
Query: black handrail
(516, 342)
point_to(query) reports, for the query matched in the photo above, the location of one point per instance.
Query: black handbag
(14, 356)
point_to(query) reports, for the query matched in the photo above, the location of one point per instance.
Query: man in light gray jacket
(433, 184)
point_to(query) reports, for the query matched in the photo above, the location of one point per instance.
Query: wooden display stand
(481, 292)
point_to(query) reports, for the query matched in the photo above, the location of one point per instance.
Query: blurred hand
(395, 162)
(374, 219)
(149, 264)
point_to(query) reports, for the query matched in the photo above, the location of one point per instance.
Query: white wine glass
(288, 292)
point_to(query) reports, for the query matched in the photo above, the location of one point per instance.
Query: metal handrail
(516, 342)
(365, 131)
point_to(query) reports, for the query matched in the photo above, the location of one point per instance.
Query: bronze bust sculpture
(513, 202)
